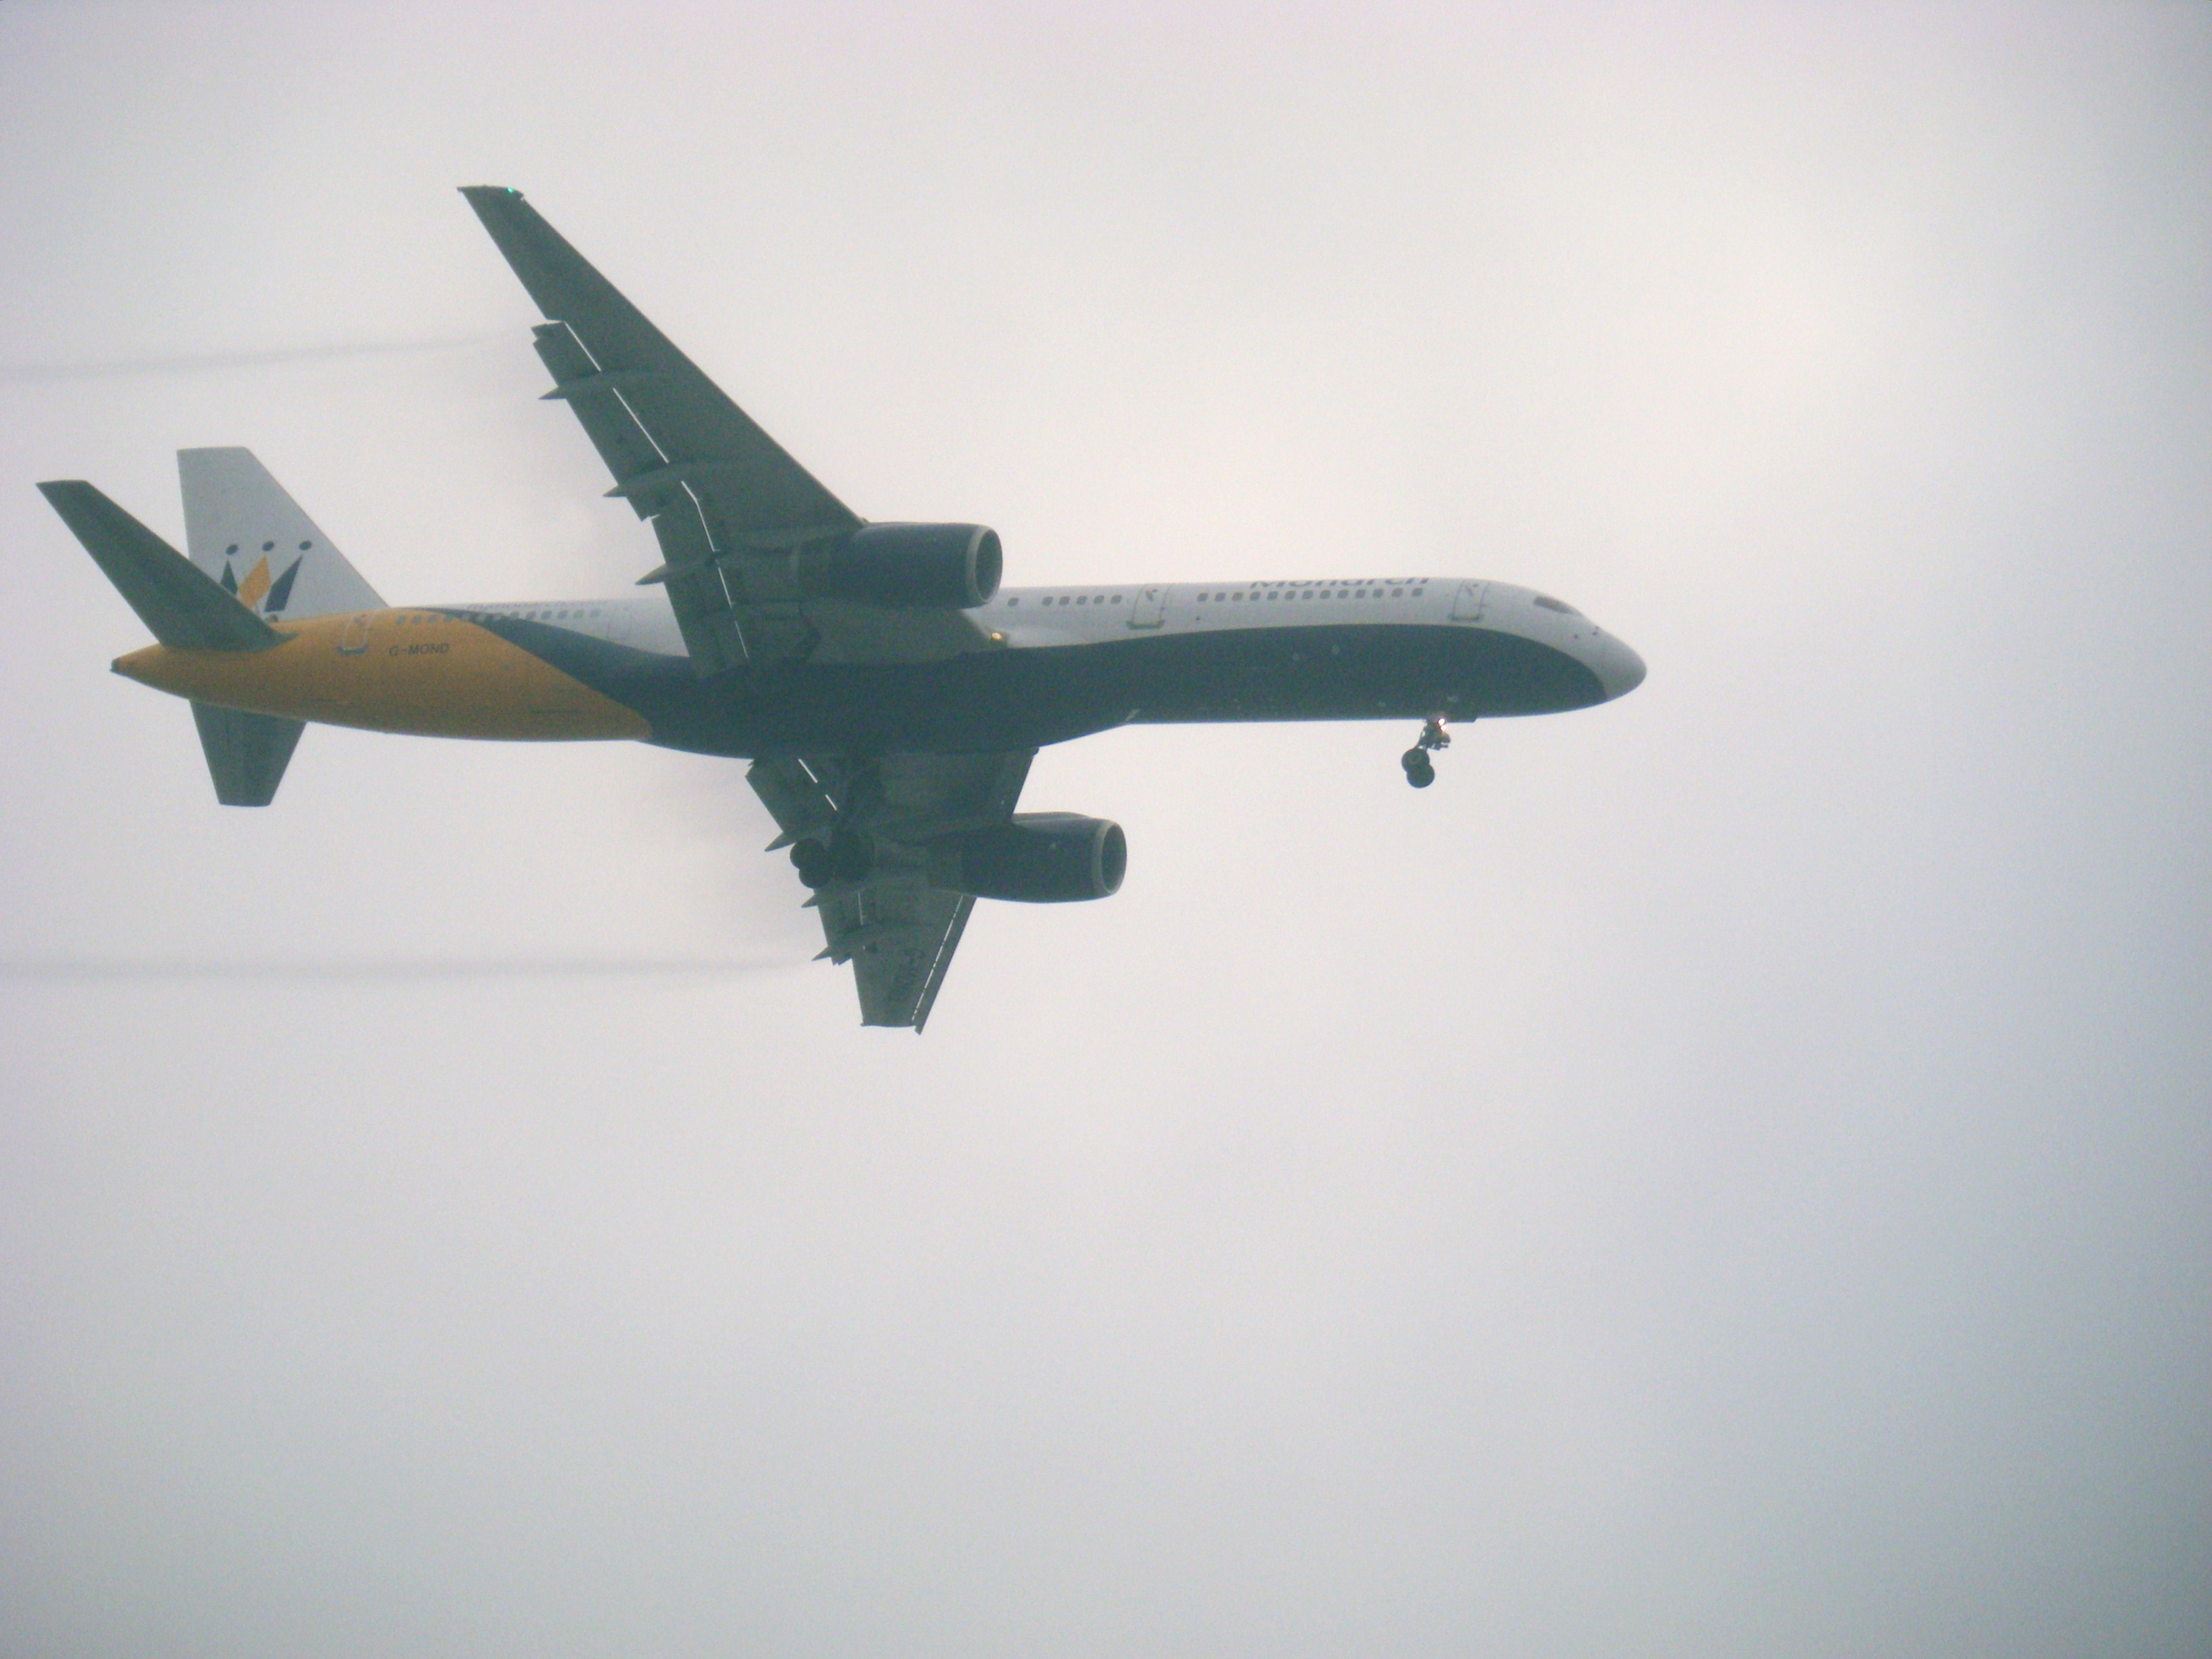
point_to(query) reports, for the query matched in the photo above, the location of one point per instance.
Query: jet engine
(911, 566)
(1040, 858)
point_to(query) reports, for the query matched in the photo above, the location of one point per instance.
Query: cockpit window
(1559, 606)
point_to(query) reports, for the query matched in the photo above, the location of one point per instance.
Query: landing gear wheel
(1421, 771)
(812, 862)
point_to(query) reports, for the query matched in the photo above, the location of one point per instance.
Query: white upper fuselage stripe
(1040, 618)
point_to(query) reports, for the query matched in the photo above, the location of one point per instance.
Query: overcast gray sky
(1721, 1174)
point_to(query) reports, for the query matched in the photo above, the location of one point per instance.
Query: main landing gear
(845, 856)
(1421, 771)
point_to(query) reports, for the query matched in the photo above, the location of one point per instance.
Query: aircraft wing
(897, 931)
(725, 501)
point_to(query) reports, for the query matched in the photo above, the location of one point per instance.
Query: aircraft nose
(1619, 670)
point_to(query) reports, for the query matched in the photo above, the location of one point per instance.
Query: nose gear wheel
(1421, 771)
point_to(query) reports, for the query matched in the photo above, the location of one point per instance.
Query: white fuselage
(1045, 618)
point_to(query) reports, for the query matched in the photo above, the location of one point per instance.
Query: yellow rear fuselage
(417, 672)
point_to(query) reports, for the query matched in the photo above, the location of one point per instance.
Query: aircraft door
(1151, 607)
(1466, 606)
(354, 640)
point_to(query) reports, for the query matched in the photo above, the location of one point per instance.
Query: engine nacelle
(1041, 858)
(934, 567)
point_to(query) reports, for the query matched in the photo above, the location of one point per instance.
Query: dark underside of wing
(730, 508)
(897, 930)
(725, 501)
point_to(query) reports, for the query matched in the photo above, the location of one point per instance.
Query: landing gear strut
(1421, 771)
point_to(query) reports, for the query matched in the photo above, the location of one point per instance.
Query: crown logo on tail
(258, 592)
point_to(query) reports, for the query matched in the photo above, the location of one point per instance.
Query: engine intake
(910, 566)
(1040, 858)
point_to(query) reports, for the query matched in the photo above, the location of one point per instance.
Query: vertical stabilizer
(245, 531)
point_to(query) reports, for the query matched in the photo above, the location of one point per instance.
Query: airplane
(888, 692)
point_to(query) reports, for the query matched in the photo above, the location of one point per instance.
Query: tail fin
(189, 610)
(248, 535)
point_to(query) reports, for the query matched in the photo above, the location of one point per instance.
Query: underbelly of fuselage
(499, 677)
(1026, 698)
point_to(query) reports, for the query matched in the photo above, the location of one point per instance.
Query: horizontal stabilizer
(183, 606)
(246, 753)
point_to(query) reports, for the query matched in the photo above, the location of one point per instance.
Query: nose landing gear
(1421, 771)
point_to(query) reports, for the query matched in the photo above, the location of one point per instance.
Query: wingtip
(489, 192)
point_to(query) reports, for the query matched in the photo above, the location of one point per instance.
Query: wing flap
(758, 494)
(899, 976)
(898, 932)
(725, 501)
(594, 398)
